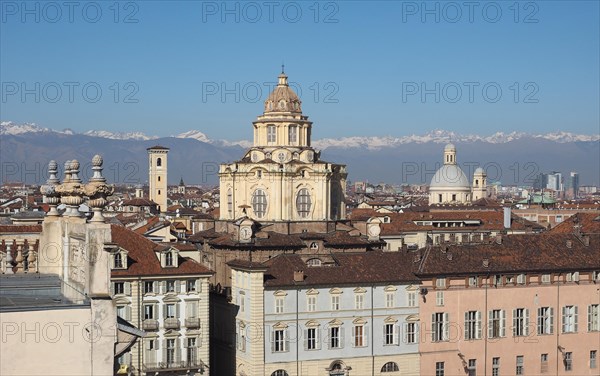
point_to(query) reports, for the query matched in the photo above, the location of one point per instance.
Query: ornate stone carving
(97, 190)
(51, 197)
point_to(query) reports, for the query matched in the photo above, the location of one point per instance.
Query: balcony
(174, 366)
(171, 323)
(192, 323)
(150, 324)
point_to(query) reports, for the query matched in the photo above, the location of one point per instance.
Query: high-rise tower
(157, 177)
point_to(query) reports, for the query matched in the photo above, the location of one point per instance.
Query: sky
(361, 68)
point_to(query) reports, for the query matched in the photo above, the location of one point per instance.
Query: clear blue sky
(373, 61)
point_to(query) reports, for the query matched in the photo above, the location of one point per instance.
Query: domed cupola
(283, 98)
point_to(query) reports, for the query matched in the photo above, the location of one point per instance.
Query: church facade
(281, 177)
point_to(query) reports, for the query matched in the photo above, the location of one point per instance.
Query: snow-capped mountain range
(367, 142)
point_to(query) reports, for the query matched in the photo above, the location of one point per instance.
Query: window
(313, 262)
(171, 286)
(521, 279)
(158, 162)
(334, 337)
(303, 203)
(292, 134)
(241, 337)
(271, 137)
(439, 367)
(593, 318)
(335, 302)
(121, 311)
(359, 300)
(190, 285)
(412, 299)
(496, 366)
(410, 332)
(546, 278)
(545, 321)
(439, 323)
(358, 335)
(390, 334)
(439, 298)
(453, 197)
(279, 340)
(593, 358)
(311, 303)
(544, 363)
(150, 350)
(119, 288)
(230, 202)
(169, 259)
(279, 372)
(390, 367)
(472, 325)
(118, 261)
(170, 351)
(279, 304)
(242, 302)
(497, 280)
(520, 322)
(312, 341)
(472, 367)
(439, 198)
(496, 323)
(472, 281)
(520, 368)
(568, 361)
(389, 300)
(259, 203)
(171, 311)
(440, 283)
(314, 245)
(569, 319)
(149, 312)
(148, 287)
(192, 354)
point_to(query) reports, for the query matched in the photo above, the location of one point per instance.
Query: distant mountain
(513, 158)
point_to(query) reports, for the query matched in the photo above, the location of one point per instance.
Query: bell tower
(157, 177)
(479, 184)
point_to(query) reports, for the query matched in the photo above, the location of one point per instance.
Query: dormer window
(118, 261)
(168, 257)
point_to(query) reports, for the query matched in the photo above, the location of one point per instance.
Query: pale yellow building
(281, 177)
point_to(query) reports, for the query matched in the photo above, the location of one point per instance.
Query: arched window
(390, 367)
(303, 203)
(279, 372)
(230, 202)
(158, 162)
(313, 262)
(259, 203)
(118, 261)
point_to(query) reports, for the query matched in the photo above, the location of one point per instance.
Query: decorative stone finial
(51, 197)
(97, 190)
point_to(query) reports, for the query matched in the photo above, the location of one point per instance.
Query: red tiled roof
(546, 252)
(373, 267)
(142, 259)
(589, 224)
(20, 229)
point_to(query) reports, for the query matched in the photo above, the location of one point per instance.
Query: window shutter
(165, 310)
(478, 325)
(286, 345)
(405, 333)
(128, 312)
(198, 285)
(305, 339)
(526, 321)
(467, 282)
(177, 315)
(589, 318)
(365, 335)
(112, 288)
(396, 335)
(490, 324)
(515, 322)
(502, 323)
(540, 321)
(183, 286)
(564, 319)
(127, 288)
(354, 328)
(272, 340)
(466, 325)
(575, 316)
(178, 350)
(156, 344)
(433, 328)
(163, 287)
(446, 327)
(551, 320)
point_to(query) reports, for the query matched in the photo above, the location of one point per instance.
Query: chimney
(299, 276)
(486, 263)
(449, 255)
(586, 240)
(499, 239)
(507, 217)
(569, 243)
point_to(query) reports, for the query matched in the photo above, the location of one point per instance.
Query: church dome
(450, 147)
(479, 171)
(450, 176)
(283, 98)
